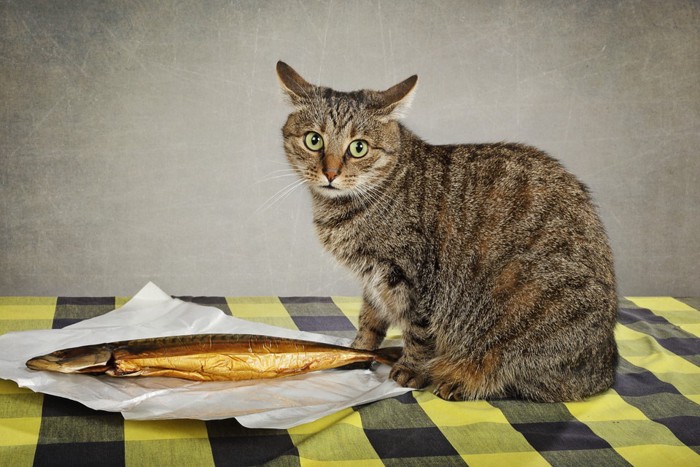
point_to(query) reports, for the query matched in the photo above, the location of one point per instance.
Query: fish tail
(388, 355)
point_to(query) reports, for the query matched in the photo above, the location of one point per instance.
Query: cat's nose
(330, 174)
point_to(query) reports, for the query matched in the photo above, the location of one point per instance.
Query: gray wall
(141, 140)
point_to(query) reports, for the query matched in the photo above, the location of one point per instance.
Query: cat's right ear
(292, 84)
(396, 100)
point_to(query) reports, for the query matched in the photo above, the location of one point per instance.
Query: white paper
(274, 403)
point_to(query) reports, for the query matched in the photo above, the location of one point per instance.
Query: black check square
(104, 454)
(231, 443)
(642, 383)
(413, 442)
(560, 436)
(317, 314)
(70, 310)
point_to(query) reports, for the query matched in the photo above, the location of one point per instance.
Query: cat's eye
(313, 141)
(358, 148)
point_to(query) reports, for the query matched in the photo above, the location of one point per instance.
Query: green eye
(313, 141)
(358, 148)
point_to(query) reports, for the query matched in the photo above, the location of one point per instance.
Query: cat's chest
(348, 243)
(357, 239)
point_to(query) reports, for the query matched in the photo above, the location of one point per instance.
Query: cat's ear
(292, 84)
(396, 100)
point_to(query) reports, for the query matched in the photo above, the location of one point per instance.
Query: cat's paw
(449, 392)
(362, 343)
(409, 376)
(366, 340)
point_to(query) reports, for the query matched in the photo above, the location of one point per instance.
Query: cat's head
(342, 143)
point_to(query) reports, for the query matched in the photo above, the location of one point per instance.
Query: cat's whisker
(302, 182)
(379, 199)
(286, 166)
(288, 169)
(279, 195)
(384, 203)
(281, 172)
(370, 198)
(276, 177)
(374, 200)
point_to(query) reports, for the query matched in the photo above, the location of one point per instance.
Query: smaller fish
(210, 357)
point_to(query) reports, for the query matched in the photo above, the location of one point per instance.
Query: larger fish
(209, 357)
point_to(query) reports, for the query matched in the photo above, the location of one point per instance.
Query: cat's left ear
(396, 100)
(296, 87)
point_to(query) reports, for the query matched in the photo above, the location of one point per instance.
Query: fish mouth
(73, 361)
(45, 362)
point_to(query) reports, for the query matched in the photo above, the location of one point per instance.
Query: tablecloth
(650, 417)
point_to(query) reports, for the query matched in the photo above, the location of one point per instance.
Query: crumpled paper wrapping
(276, 403)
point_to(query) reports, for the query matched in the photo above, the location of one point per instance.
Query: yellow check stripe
(10, 387)
(674, 311)
(350, 306)
(628, 430)
(19, 431)
(444, 413)
(167, 442)
(304, 462)
(642, 350)
(27, 308)
(181, 452)
(658, 454)
(322, 423)
(253, 307)
(147, 430)
(606, 407)
(268, 310)
(463, 423)
(120, 301)
(326, 440)
(501, 459)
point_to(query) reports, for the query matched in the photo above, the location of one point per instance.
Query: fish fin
(388, 355)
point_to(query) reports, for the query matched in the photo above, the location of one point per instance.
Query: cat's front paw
(449, 392)
(364, 343)
(408, 375)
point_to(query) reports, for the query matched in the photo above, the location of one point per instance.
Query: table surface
(650, 417)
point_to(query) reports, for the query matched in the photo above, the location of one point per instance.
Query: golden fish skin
(208, 357)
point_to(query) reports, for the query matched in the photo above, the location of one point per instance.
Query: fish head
(87, 359)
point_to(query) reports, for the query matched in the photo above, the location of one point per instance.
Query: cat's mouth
(331, 191)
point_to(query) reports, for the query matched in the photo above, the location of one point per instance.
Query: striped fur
(490, 257)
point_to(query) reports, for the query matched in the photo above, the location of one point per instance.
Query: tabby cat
(490, 258)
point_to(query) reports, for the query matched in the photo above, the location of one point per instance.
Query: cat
(490, 258)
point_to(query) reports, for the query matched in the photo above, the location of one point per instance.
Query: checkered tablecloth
(650, 417)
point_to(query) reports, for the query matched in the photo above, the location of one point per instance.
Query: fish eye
(358, 148)
(313, 141)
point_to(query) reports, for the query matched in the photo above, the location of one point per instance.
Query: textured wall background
(140, 140)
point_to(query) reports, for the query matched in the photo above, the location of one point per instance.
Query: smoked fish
(209, 357)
